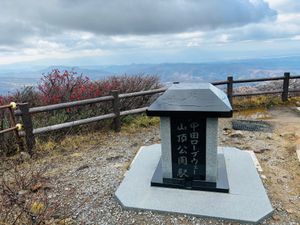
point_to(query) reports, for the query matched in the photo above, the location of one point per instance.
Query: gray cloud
(258, 32)
(14, 31)
(148, 16)
(23, 19)
(286, 6)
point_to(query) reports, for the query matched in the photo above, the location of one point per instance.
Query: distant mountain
(213, 71)
(92, 72)
(17, 75)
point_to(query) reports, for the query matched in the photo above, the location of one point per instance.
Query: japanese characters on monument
(188, 148)
(194, 138)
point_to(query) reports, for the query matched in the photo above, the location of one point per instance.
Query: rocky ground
(81, 178)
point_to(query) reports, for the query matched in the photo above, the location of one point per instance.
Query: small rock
(50, 196)
(298, 104)
(134, 145)
(82, 167)
(24, 156)
(290, 211)
(36, 187)
(51, 221)
(57, 215)
(23, 192)
(263, 176)
(276, 217)
(47, 187)
(279, 181)
(259, 151)
(262, 150)
(148, 140)
(288, 135)
(237, 134)
(113, 158)
(66, 221)
(227, 131)
(269, 137)
(279, 209)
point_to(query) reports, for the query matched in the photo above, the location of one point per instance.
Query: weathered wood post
(229, 88)
(286, 83)
(28, 127)
(14, 123)
(116, 109)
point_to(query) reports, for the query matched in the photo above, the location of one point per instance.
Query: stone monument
(188, 173)
(189, 132)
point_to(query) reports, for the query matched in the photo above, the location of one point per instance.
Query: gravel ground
(83, 179)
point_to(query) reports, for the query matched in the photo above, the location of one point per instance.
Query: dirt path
(284, 168)
(84, 172)
(281, 167)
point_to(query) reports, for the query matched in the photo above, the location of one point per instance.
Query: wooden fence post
(13, 123)
(116, 109)
(286, 83)
(230, 88)
(28, 127)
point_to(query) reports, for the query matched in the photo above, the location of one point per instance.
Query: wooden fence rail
(29, 133)
(284, 91)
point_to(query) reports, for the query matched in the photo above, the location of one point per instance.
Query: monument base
(246, 201)
(220, 186)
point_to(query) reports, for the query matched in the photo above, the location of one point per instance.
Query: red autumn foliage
(1, 100)
(57, 87)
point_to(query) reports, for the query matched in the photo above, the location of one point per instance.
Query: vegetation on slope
(58, 87)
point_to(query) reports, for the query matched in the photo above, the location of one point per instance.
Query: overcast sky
(93, 32)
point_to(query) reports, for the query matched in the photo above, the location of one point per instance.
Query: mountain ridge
(12, 78)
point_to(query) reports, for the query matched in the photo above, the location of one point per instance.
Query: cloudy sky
(93, 32)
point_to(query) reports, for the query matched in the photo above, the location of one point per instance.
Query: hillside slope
(84, 187)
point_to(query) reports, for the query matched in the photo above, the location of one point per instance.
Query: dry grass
(32, 206)
(86, 139)
(262, 101)
(24, 196)
(134, 123)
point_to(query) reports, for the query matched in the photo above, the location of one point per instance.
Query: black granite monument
(189, 125)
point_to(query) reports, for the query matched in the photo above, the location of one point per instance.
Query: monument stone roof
(192, 99)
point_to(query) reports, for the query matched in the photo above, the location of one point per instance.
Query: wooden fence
(29, 132)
